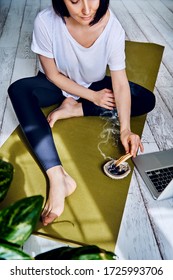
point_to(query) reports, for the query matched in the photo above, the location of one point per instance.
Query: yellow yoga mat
(94, 211)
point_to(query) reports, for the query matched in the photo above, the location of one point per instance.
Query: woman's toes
(51, 123)
(49, 218)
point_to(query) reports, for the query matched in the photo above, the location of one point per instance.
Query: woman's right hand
(104, 98)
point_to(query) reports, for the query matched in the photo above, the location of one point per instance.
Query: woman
(75, 41)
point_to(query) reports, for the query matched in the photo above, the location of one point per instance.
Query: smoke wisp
(110, 132)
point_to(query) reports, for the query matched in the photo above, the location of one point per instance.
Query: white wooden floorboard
(160, 16)
(8, 45)
(168, 4)
(133, 32)
(136, 238)
(4, 8)
(160, 215)
(163, 11)
(167, 96)
(161, 124)
(164, 78)
(18, 59)
(151, 25)
(36, 245)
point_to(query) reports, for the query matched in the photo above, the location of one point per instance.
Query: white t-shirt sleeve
(116, 60)
(41, 39)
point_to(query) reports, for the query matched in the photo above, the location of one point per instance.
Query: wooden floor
(147, 225)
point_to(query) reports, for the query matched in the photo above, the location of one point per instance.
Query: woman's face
(82, 11)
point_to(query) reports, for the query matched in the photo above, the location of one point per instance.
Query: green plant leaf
(96, 256)
(6, 176)
(18, 220)
(9, 252)
(87, 252)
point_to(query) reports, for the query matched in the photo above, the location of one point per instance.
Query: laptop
(156, 169)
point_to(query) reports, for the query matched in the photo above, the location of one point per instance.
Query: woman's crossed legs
(28, 96)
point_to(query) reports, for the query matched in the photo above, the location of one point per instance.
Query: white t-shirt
(52, 39)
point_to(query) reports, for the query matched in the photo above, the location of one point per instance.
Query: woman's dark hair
(60, 9)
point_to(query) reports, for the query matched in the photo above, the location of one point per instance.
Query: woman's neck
(86, 35)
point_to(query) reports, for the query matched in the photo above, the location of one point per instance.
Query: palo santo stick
(122, 159)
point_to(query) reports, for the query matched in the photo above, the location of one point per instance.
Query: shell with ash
(116, 172)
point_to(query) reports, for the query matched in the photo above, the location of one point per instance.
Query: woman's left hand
(131, 142)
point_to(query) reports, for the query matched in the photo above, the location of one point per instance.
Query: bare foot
(69, 108)
(61, 186)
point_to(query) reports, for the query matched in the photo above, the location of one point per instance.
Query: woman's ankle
(55, 171)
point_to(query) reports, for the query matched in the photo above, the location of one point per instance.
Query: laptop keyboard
(161, 177)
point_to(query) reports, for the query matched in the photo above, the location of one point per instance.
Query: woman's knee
(15, 88)
(20, 90)
(143, 105)
(143, 100)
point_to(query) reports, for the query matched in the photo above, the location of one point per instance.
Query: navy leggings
(29, 95)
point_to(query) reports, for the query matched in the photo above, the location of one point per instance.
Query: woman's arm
(61, 81)
(103, 98)
(121, 89)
